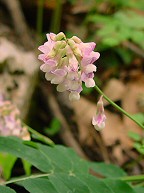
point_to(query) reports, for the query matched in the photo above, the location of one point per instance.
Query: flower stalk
(39, 136)
(135, 178)
(118, 107)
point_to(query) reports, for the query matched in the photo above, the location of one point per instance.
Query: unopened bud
(60, 54)
(72, 44)
(99, 119)
(60, 36)
(52, 53)
(74, 47)
(77, 52)
(76, 39)
(60, 45)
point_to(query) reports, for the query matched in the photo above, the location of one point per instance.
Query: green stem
(15, 180)
(125, 178)
(132, 178)
(39, 136)
(39, 22)
(117, 107)
(56, 19)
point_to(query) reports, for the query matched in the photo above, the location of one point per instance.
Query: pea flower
(10, 123)
(99, 119)
(68, 62)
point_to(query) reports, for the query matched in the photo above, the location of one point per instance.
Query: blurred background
(117, 27)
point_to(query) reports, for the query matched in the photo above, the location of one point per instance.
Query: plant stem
(39, 136)
(118, 107)
(56, 19)
(125, 178)
(19, 179)
(132, 178)
(39, 22)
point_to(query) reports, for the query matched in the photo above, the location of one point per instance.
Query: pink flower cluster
(99, 119)
(68, 63)
(10, 123)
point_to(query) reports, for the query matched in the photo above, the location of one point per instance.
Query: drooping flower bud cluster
(10, 123)
(99, 119)
(68, 63)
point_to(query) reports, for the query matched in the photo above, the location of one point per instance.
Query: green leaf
(5, 189)
(58, 184)
(134, 136)
(111, 41)
(137, 37)
(113, 35)
(54, 127)
(125, 54)
(63, 182)
(139, 189)
(97, 18)
(139, 147)
(27, 167)
(107, 170)
(139, 117)
(130, 19)
(7, 162)
(118, 186)
(64, 170)
(17, 147)
(69, 183)
(39, 185)
(64, 159)
(95, 185)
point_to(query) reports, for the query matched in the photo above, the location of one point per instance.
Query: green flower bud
(60, 36)
(59, 45)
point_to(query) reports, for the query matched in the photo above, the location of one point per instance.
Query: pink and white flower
(10, 123)
(68, 63)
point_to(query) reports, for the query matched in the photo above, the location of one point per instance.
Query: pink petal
(74, 96)
(61, 87)
(47, 67)
(90, 68)
(57, 79)
(50, 37)
(99, 119)
(89, 83)
(41, 57)
(73, 85)
(49, 76)
(86, 48)
(91, 58)
(44, 49)
(73, 75)
(60, 72)
(94, 56)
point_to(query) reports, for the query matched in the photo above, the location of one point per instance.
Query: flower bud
(59, 45)
(52, 53)
(99, 120)
(76, 39)
(74, 47)
(72, 44)
(74, 96)
(60, 36)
